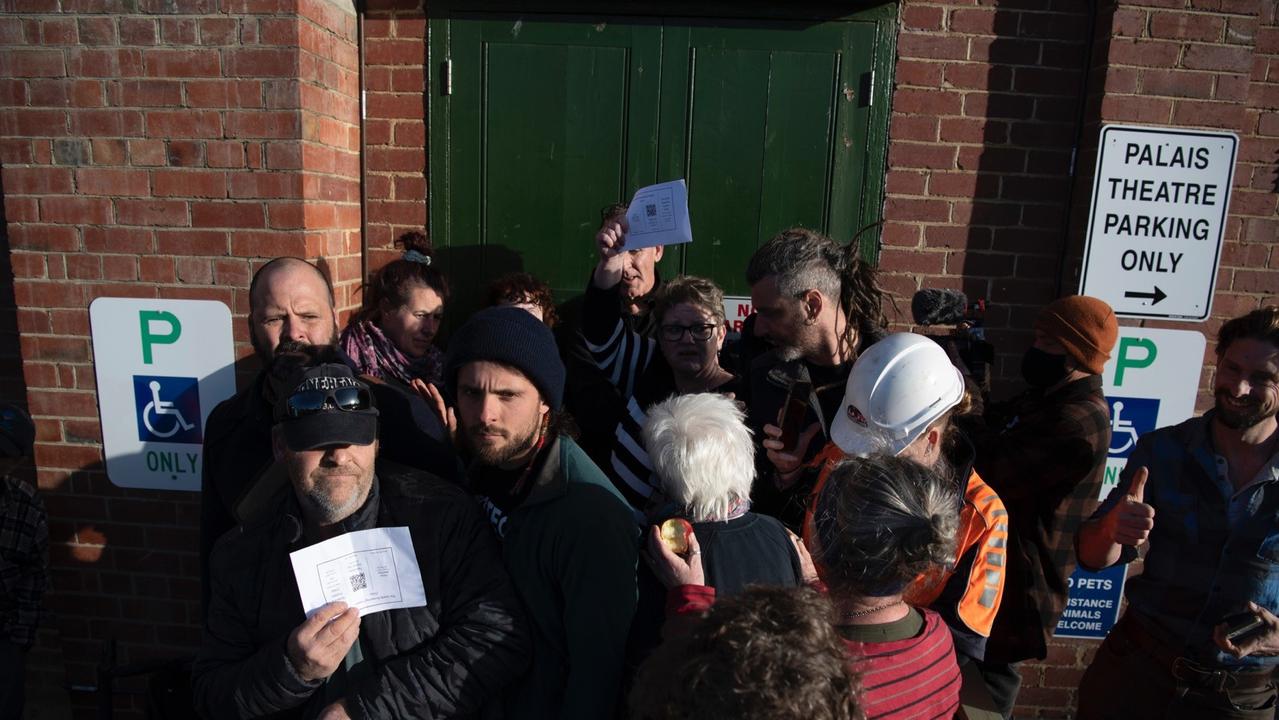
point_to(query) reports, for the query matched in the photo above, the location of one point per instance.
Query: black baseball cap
(328, 405)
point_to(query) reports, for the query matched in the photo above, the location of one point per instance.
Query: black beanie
(511, 336)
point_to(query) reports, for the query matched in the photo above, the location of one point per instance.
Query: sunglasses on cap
(345, 399)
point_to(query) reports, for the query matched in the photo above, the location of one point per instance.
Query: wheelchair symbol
(160, 407)
(1121, 429)
(168, 409)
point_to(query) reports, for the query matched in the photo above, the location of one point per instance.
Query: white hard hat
(896, 389)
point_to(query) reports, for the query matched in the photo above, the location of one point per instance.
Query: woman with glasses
(393, 337)
(683, 358)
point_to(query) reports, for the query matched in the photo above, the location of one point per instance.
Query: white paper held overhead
(373, 570)
(658, 215)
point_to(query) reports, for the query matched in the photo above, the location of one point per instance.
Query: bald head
(290, 299)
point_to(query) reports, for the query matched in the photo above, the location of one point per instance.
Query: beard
(334, 495)
(516, 443)
(291, 357)
(266, 355)
(1239, 418)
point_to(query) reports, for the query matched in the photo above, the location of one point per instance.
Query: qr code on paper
(650, 210)
(358, 582)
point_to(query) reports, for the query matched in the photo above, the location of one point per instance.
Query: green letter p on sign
(149, 338)
(1126, 361)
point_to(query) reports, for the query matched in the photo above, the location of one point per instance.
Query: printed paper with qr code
(658, 215)
(372, 570)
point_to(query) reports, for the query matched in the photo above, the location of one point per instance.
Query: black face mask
(1042, 369)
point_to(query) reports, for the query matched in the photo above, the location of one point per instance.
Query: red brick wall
(985, 114)
(161, 153)
(395, 126)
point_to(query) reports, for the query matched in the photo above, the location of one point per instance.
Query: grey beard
(325, 512)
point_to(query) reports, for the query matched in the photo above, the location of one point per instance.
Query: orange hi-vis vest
(980, 550)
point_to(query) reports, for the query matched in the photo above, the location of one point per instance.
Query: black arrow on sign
(1153, 297)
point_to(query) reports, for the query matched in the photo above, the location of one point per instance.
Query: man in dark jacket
(818, 305)
(292, 323)
(1044, 452)
(262, 655)
(568, 537)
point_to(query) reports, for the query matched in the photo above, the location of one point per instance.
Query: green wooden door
(546, 119)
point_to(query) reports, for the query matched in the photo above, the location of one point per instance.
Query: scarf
(375, 355)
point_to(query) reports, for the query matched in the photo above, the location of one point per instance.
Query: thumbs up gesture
(1130, 521)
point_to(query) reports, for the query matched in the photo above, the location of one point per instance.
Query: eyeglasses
(700, 333)
(346, 399)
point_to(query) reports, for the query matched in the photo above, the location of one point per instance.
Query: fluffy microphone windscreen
(938, 307)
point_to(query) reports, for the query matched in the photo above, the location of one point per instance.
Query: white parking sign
(1155, 226)
(161, 366)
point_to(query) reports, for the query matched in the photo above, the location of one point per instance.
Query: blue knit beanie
(511, 336)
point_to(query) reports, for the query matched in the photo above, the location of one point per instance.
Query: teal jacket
(571, 550)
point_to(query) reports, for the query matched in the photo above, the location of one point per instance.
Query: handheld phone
(1241, 626)
(794, 412)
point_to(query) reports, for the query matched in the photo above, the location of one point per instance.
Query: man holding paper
(394, 602)
(589, 395)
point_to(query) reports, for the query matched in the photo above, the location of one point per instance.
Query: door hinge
(446, 77)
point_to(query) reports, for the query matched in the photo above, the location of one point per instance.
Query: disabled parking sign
(161, 366)
(1150, 382)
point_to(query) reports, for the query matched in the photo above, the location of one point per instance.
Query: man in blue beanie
(568, 539)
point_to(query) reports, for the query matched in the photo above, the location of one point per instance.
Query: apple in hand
(676, 533)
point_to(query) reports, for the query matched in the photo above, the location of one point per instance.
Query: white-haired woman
(704, 460)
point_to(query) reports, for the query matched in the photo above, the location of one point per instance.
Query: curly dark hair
(769, 653)
(392, 285)
(521, 287)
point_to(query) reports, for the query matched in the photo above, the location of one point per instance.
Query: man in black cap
(568, 538)
(292, 323)
(24, 558)
(262, 655)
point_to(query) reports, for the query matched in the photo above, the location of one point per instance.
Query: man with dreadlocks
(817, 303)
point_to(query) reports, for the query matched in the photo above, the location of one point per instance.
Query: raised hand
(610, 244)
(1130, 521)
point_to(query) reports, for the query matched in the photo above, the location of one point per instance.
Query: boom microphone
(938, 307)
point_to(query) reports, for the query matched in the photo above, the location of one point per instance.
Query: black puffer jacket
(444, 660)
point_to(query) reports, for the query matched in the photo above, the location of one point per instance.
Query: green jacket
(571, 550)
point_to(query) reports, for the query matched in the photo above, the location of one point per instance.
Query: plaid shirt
(1213, 548)
(24, 559)
(1045, 455)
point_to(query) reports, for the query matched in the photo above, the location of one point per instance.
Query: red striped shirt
(912, 678)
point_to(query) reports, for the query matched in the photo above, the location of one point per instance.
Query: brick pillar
(158, 148)
(396, 83)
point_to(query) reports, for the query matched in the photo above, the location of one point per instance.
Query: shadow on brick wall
(1029, 215)
(45, 699)
(1040, 115)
